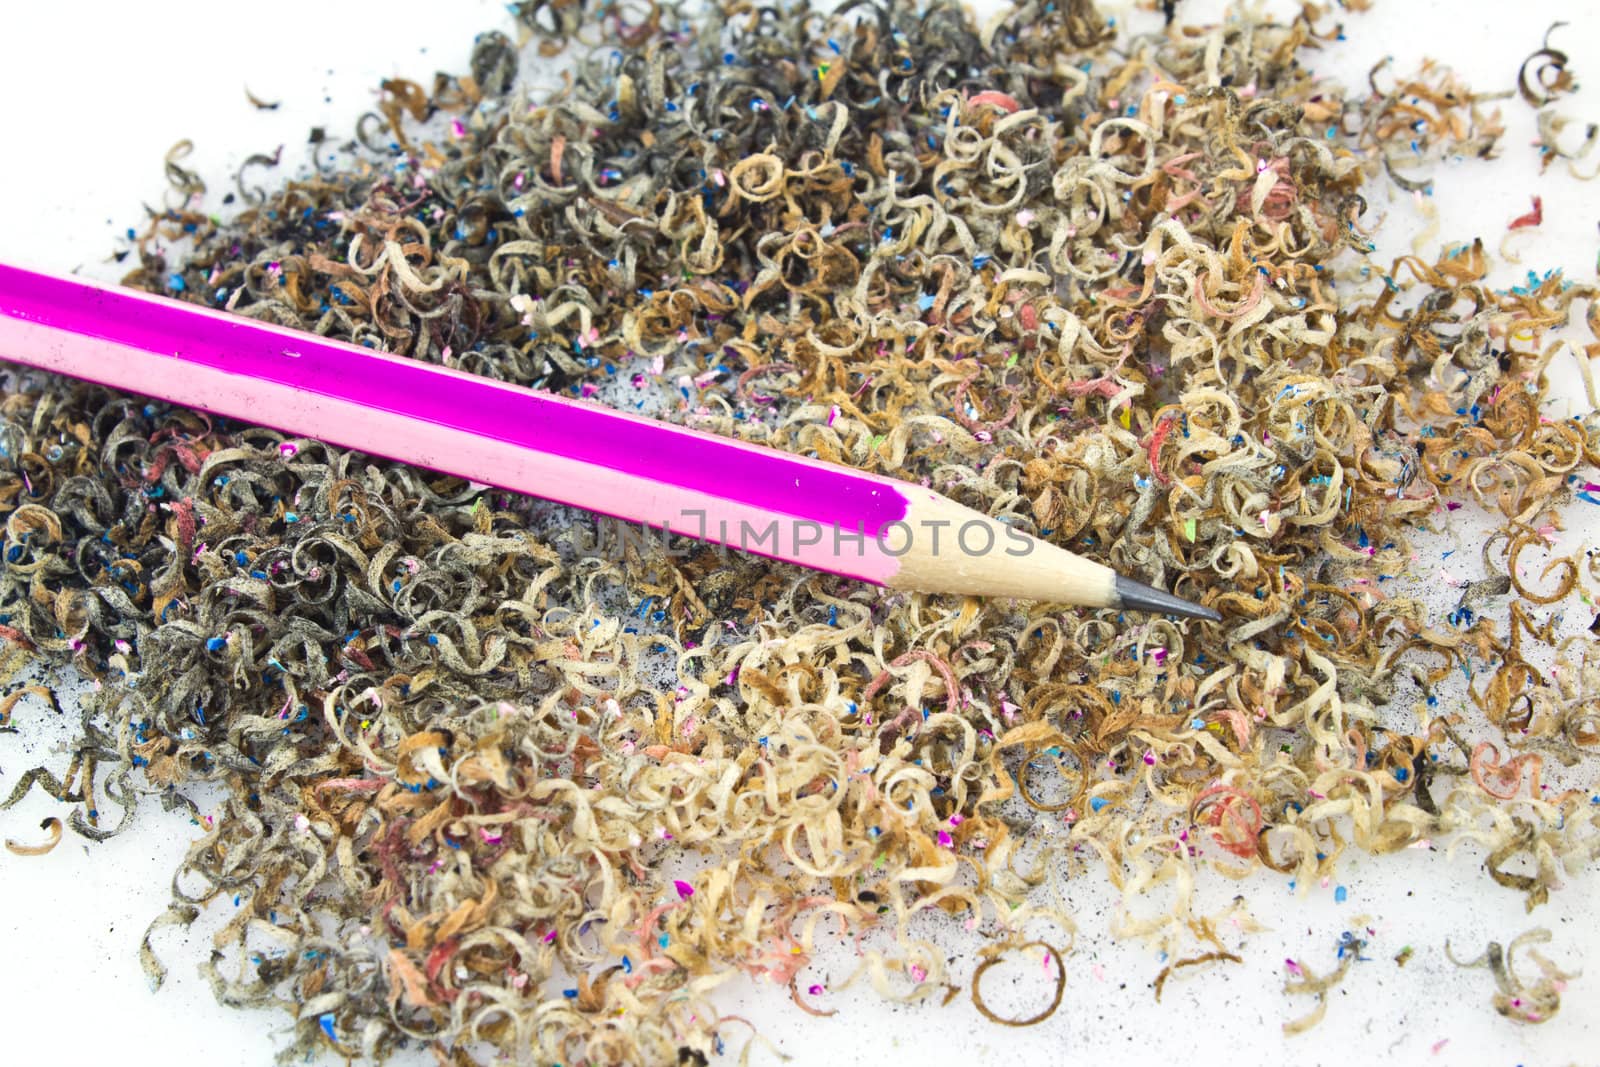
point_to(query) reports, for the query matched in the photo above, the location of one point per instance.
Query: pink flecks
(945, 840)
(833, 413)
(550, 938)
(995, 98)
(918, 974)
(490, 837)
(816, 990)
(957, 819)
(287, 449)
(1159, 655)
(1149, 759)
(1439, 1045)
(458, 128)
(685, 890)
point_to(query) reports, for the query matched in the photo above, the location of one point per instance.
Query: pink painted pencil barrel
(827, 517)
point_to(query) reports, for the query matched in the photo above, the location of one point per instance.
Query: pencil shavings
(472, 771)
(50, 825)
(1515, 997)
(994, 958)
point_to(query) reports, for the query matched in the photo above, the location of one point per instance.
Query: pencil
(820, 515)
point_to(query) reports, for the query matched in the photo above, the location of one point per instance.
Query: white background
(94, 93)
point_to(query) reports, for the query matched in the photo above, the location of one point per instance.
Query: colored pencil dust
(496, 785)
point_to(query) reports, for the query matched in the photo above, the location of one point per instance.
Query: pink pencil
(819, 515)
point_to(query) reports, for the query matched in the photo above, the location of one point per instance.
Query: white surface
(96, 92)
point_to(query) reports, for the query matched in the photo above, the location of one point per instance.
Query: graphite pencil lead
(1136, 596)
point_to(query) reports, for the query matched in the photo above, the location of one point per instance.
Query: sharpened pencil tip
(1136, 596)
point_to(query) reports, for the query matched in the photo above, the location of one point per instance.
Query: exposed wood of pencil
(815, 514)
(981, 556)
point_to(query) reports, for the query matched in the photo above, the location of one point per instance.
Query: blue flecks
(325, 1020)
(216, 644)
(1340, 895)
(1097, 803)
(1349, 942)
